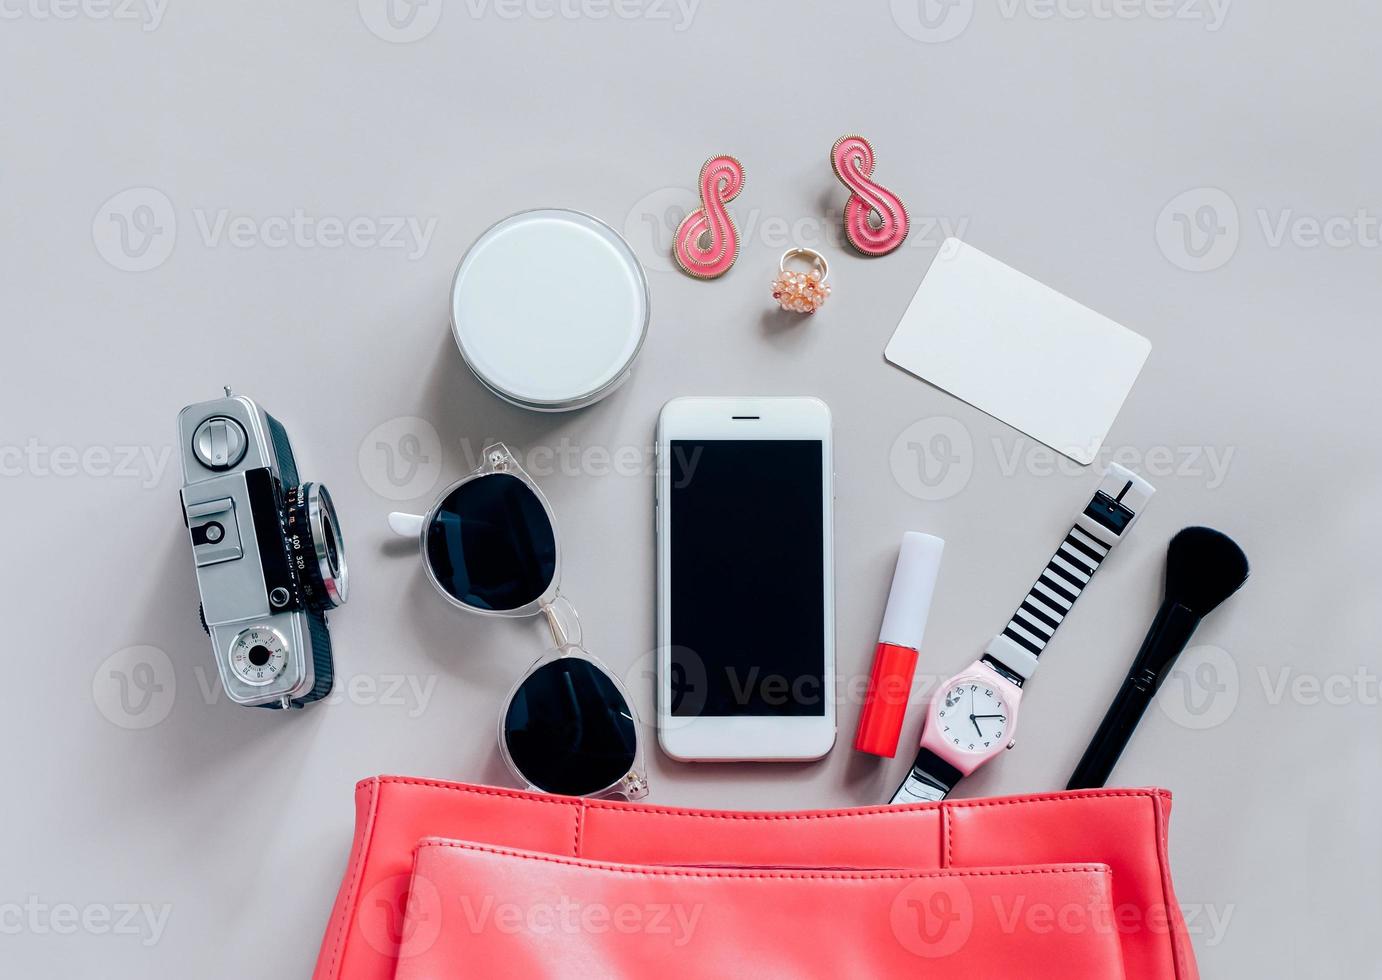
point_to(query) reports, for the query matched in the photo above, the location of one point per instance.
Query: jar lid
(549, 308)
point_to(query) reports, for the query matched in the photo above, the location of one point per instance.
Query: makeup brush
(1203, 568)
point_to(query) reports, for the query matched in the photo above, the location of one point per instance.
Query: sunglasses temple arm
(406, 525)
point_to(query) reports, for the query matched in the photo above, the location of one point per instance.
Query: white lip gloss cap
(914, 582)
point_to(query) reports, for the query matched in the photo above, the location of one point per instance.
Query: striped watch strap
(1053, 595)
(1102, 524)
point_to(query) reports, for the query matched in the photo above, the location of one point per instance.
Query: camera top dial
(220, 443)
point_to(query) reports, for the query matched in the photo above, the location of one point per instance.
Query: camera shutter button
(219, 443)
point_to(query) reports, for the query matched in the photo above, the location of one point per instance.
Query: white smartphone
(746, 595)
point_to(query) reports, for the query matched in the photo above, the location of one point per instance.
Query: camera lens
(315, 535)
(333, 555)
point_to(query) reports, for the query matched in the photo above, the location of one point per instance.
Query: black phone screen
(747, 578)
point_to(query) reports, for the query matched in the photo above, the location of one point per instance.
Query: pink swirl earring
(875, 218)
(707, 243)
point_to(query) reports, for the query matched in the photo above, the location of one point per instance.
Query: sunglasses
(489, 545)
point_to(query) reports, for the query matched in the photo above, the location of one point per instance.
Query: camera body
(269, 555)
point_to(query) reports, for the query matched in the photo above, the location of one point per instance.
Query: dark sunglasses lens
(491, 545)
(569, 730)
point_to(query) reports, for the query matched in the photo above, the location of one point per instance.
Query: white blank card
(1018, 350)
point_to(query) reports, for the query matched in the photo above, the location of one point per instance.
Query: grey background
(1072, 147)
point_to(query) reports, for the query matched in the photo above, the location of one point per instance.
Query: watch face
(973, 716)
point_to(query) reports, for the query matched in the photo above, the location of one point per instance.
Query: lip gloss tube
(899, 642)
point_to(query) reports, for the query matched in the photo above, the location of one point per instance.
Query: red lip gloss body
(899, 642)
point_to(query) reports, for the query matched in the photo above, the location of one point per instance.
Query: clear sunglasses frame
(561, 617)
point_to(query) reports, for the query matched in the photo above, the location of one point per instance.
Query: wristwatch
(973, 716)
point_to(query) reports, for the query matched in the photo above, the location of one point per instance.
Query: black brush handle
(1170, 632)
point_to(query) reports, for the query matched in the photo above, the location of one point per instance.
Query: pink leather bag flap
(1124, 829)
(480, 911)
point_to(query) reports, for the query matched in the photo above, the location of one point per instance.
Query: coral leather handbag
(452, 880)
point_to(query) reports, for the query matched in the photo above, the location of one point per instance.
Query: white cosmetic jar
(549, 309)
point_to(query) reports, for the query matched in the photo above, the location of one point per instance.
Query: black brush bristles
(1203, 568)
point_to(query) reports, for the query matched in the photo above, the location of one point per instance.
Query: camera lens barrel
(318, 549)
